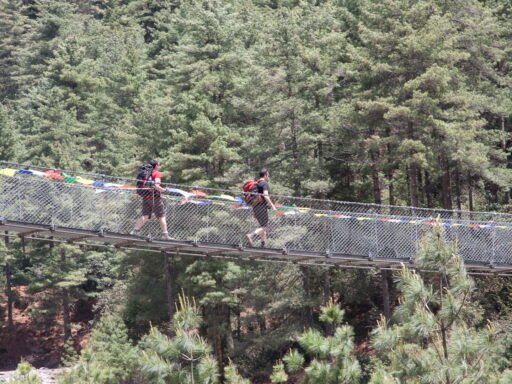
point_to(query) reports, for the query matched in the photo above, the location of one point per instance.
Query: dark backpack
(145, 180)
(250, 191)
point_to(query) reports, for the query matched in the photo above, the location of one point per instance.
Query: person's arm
(158, 187)
(266, 196)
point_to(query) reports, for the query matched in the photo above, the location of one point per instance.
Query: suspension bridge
(89, 209)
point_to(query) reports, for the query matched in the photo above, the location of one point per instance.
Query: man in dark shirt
(260, 210)
(152, 203)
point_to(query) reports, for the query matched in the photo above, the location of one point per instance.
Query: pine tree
(214, 283)
(109, 358)
(146, 299)
(78, 112)
(416, 97)
(280, 307)
(13, 28)
(296, 83)
(184, 358)
(62, 268)
(8, 134)
(435, 335)
(332, 354)
(6, 263)
(69, 356)
(24, 375)
(199, 59)
(232, 376)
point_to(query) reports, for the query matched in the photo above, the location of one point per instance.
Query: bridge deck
(54, 205)
(40, 232)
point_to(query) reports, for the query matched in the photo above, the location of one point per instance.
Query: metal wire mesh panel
(217, 216)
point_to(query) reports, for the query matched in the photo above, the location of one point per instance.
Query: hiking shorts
(260, 212)
(150, 206)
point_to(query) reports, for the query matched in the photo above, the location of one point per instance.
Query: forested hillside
(400, 102)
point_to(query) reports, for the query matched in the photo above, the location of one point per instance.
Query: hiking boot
(249, 239)
(165, 236)
(262, 245)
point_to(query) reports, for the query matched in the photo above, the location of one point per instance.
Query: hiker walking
(148, 187)
(261, 203)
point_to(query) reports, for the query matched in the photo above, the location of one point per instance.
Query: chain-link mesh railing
(74, 200)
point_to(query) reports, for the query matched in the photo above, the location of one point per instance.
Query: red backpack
(250, 191)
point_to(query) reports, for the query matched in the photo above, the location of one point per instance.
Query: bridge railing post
(416, 239)
(330, 231)
(493, 237)
(375, 212)
(208, 211)
(20, 209)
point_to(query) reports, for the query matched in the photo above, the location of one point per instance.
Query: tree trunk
(65, 301)
(308, 311)
(238, 325)
(295, 149)
(444, 335)
(458, 188)
(262, 323)
(389, 169)
(421, 189)
(391, 187)
(470, 192)
(385, 293)
(218, 327)
(10, 297)
(377, 195)
(503, 135)
(447, 184)
(8, 291)
(219, 354)
(327, 285)
(413, 172)
(428, 190)
(413, 184)
(169, 282)
(506, 198)
(293, 126)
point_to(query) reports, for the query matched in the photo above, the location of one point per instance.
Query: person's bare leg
(140, 222)
(249, 238)
(263, 236)
(262, 233)
(258, 232)
(163, 227)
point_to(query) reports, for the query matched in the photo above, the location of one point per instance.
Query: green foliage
(69, 355)
(294, 361)
(331, 313)
(434, 335)
(216, 283)
(70, 269)
(24, 375)
(185, 358)
(199, 62)
(394, 101)
(8, 134)
(145, 296)
(278, 374)
(6, 254)
(232, 376)
(109, 358)
(332, 359)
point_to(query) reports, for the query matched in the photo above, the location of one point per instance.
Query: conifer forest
(393, 102)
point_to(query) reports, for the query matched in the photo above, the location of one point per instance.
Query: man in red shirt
(260, 210)
(152, 203)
